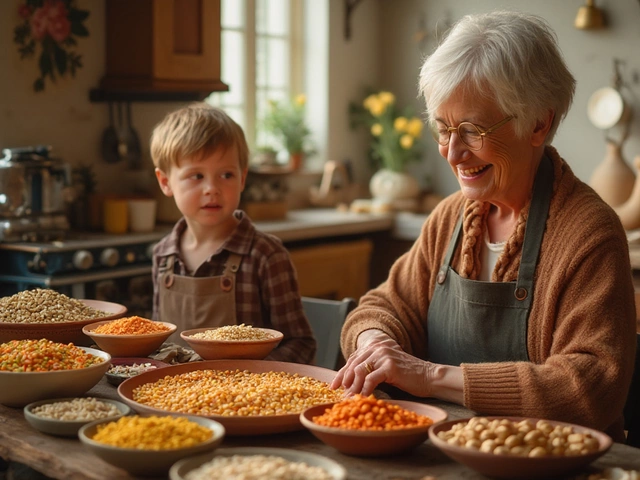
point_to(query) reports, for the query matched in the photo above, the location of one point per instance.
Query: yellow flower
(406, 141)
(301, 99)
(414, 128)
(387, 98)
(400, 124)
(376, 130)
(375, 106)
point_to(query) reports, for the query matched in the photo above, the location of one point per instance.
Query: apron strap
(166, 271)
(534, 230)
(442, 274)
(231, 267)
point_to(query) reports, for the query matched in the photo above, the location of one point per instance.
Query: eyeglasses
(470, 134)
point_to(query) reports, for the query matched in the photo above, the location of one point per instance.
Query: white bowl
(18, 389)
(66, 428)
(148, 462)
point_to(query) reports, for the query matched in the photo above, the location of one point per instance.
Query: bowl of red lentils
(149, 445)
(32, 370)
(519, 447)
(232, 341)
(367, 426)
(45, 313)
(64, 416)
(129, 336)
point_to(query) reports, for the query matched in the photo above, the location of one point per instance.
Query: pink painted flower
(59, 29)
(24, 11)
(39, 23)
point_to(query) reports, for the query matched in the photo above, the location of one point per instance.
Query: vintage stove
(106, 267)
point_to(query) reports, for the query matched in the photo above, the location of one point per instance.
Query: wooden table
(67, 459)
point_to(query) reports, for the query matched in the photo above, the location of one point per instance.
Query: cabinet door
(186, 40)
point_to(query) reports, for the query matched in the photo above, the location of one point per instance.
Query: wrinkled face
(504, 167)
(206, 188)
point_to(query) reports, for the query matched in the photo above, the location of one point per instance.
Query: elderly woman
(517, 299)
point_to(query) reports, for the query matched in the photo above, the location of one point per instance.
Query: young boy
(215, 268)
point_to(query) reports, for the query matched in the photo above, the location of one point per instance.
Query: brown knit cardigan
(581, 329)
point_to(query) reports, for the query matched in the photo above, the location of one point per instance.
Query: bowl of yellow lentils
(232, 341)
(150, 445)
(32, 370)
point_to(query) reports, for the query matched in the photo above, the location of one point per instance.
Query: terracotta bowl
(228, 349)
(66, 428)
(128, 345)
(63, 332)
(116, 379)
(18, 389)
(373, 443)
(148, 462)
(515, 467)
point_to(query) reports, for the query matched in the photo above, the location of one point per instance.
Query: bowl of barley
(129, 336)
(45, 313)
(232, 341)
(64, 416)
(519, 447)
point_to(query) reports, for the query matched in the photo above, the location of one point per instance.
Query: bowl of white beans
(232, 341)
(519, 447)
(64, 416)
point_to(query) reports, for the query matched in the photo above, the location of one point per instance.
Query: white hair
(512, 58)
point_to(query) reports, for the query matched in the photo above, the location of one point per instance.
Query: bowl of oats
(232, 341)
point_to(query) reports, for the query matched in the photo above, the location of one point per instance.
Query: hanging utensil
(109, 146)
(134, 154)
(123, 143)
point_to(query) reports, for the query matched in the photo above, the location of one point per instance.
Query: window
(261, 59)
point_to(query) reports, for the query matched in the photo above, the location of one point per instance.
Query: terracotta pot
(295, 161)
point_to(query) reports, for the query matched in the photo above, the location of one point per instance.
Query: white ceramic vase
(390, 186)
(613, 179)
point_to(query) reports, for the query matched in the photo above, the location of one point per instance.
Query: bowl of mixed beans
(232, 341)
(150, 445)
(367, 426)
(248, 397)
(129, 336)
(45, 313)
(32, 370)
(519, 447)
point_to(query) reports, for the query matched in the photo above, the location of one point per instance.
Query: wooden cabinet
(163, 46)
(333, 270)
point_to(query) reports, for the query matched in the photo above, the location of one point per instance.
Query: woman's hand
(379, 359)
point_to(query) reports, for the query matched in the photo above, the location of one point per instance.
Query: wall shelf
(102, 95)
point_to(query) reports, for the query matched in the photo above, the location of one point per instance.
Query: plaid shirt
(267, 292)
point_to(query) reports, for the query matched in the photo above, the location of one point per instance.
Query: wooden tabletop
(67, 459)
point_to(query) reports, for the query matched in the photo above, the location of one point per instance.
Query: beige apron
(198, 302)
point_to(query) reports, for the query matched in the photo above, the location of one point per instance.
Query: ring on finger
(368, 367)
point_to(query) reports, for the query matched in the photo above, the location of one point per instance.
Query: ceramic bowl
(228, 349)
(117, 378)
(366, 443)
(66, 428)
(63, 332)
(234, 425)
(18, 389)
(148, 462)
(182, 468)
(515, 467)
(128, 345)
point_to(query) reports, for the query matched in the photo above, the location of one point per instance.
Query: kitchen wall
(389, 40)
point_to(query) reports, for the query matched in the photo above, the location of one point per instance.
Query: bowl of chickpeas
(232, 341)
(368, 426)
(519, 447)
(150, 445)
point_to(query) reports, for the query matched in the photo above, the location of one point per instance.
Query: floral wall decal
(50, 28)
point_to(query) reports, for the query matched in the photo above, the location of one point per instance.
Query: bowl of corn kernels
(64, 416)
(32, 370)
(519, 447)
(149, 445)
(232, 341)
(129, 336)
(367, 426)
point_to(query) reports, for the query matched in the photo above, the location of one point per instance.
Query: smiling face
(206, 188)
(502, 171)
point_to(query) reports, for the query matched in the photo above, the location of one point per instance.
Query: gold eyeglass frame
(481, 132)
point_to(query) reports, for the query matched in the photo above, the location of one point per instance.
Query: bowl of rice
(232, 341)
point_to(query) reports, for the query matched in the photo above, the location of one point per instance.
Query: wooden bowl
(516, 467)
(370, 443)
(128, 345)
(228, 349)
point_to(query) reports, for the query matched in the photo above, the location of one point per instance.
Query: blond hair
(195, 130)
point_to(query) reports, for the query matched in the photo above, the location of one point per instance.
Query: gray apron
(198, 302)
(472, 321)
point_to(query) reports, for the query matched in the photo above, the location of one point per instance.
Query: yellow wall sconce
(589, 17)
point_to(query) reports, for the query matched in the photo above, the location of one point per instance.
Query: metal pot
(32, 183)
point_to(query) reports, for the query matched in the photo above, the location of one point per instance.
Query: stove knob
(130, 257)
(82, 260)
(109, 257)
